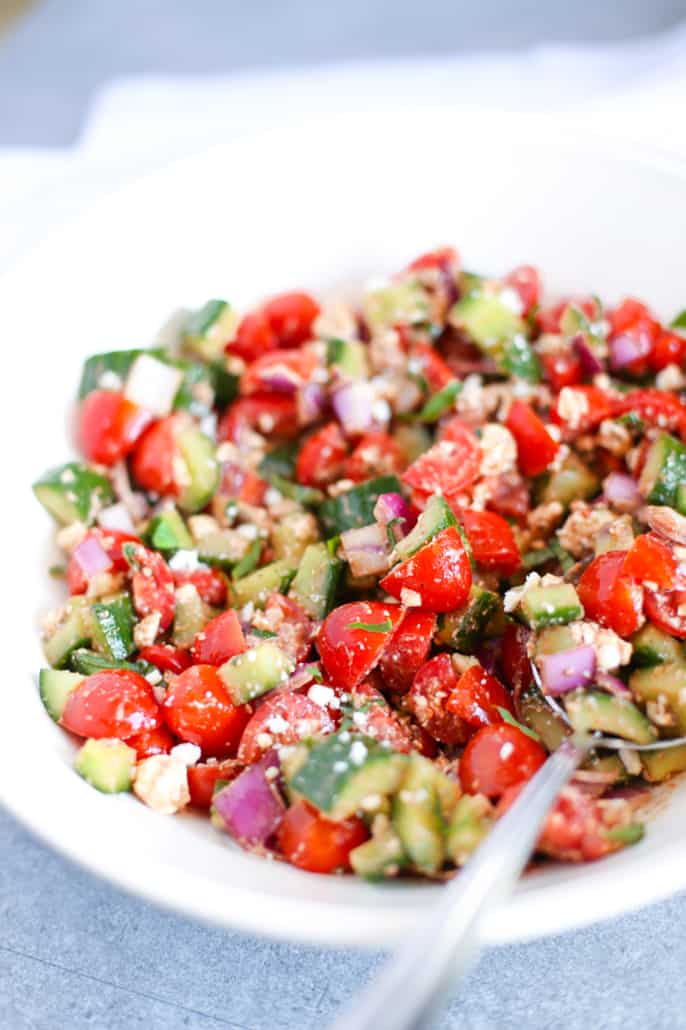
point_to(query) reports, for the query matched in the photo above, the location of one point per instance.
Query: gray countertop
(76, 952)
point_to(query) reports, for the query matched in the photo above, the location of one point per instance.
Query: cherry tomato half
(609, 596)
(283, 719)
(377, 454)
(428, 697)
(198, 709)
(114, 703)
(477, 698)
(311, 842)
(450, 466)
(158, 741)
(492, 541)
(153, 459)
(109, 426)
(203, 777)
(152, 585)
(527, 282)
(210, 584)
(375, 717)
(320, 459)
(268, 413)
(165, 657)
(219, 640)
(498, 757)
(408, 650)
(650, 558)
(352, 638)
(440, 573)
(664, 609)
(536, 448)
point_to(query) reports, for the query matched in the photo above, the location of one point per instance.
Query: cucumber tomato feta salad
(342, 575)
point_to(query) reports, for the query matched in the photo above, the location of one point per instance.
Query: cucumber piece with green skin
(308, 496)
(199, 454)
(273, 578)
(417, 817)
(571, 481)
(101, 371)
(470, 823)
(437, 516)
(487, 320)
(219, 549)
(279, 461)
(208, 329)
(348, 358)
(653, 647)
(87, 662)
(74, 630)
(293, 535)
(595, 710)
(553, 639)
(666, 681)
(355, 508)
(168, 532)
(552, 605)
(680, 498)
(534, 712)
(73, 492)
(249, 561)
(609, 764)
(463, 630)
(520, 361)
(346, 772)
(399, 303)
(253, 673)
(112, 626)
(317, 580)
(191, 615)
(55, 686)
(380, 856)
(107, 764)
(662, 763)
(618, 536)
(664, 470)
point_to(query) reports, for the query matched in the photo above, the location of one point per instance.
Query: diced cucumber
(273, 578)
(293, 534)
(552, 639)
(416, 815)
(207, 330)
(382, 855)
(571, 481)
(249, 561)
(667, 681)
(348, 358)
(399, 303)
(316, 581)
(664, 470)
(190, 616)
(109, 370)
(73, 492)
(550, 605)
(463, 629)
(307, 496)
(412, 440)
(219, 549)
(590, 710)
(87, 662)
(437, 516)
(168, 533)
(253, 673)
(487, 320)
(520, 360)
(653, 647)
(355, 508)
(55, 686)
(662, 763)
(113, 623)
(107, 764)
(470, 822)
(345, 772)
(199, 454)
(74, 630)
(279, 461)
(609, 764)
(618, 536)
(534, 712)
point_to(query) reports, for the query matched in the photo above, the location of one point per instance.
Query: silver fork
(417, 980)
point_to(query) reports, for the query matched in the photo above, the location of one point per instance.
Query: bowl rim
(358, 924)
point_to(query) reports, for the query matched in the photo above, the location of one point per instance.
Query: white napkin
(634, 90)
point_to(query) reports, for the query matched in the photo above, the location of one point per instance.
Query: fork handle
(415, 982)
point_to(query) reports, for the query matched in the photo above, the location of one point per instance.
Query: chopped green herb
(680, 321)
(249, 561)
(279, 461)
(263, 634)
(307, 495)
(57, 570)
(390, 534)
(371, 627)
(335, 350)
(440, 402)
(630, 834)
(509, 718)
(565, 559)
(314, 671)
(533, 559)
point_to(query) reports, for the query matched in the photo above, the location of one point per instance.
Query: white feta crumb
(410, 598)
(161, 782)
(264, 741)
(69, 537)
(320, 694)
(511, 299)
(202, 525)
(340, 766)
(248, 531)
(189, 754)
(109, 380)
(572, 405)
(670, 378)
(498, 450)
(145, 631)
(152, 384)
(184, 561)
(277, 724)
(358, 752)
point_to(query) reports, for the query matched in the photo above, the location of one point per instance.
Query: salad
(343, 575)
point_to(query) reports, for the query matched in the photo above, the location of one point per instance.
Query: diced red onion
(568, 670)
(589, 360)
(621, 490)
(612, 684)
(625, 349)
(116, 516)
(359, 409)
(366, 550)
(394, 506)
(311, 400)
(91, 557)
(281, 379)
(251, 808)
(633, 793)
(488, 652)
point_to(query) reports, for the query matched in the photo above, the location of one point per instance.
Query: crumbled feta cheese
(189, 754)
(145, 631)
(201, 526)
(358, 752)
(320, 694)
(580, 530)
(670, 378)
(184, 561)
(69, 537)
(498, 450)
(611, 651)
(410, 598)
(161, 783)
(572, 406)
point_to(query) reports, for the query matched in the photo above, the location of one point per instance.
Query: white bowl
(304, 207)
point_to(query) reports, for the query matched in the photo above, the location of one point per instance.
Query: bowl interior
(321, 207)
